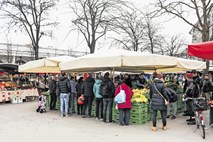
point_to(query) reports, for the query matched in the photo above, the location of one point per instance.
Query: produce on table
(139, 95)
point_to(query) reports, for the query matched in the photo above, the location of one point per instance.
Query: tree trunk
(36, 52)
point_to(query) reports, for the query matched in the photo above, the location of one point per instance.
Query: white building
(10, 53)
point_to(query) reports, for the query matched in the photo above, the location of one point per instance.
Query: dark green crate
(139, 105)
(140, 117)
(139, 110)
(137, 122)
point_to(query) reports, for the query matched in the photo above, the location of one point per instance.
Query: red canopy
(202, 50)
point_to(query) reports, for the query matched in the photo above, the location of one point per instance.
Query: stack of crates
(139, 113)
(150, 112)
(115, 114)
(180, 104)
(47, 99)
(57, 105)
(93, 109)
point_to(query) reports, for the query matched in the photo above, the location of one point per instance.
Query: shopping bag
(121, 97)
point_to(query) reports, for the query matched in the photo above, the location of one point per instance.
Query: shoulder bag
(165, 101)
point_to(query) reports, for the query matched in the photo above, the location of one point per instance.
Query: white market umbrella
(186, 65)
(129, 61)
(46, 65)
(118, 60)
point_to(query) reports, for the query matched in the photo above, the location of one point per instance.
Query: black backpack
(104, 89)
(173, 96)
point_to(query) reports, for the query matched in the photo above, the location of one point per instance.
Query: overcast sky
(65, 40)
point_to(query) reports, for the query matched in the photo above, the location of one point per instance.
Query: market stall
(14, 87)
(203, 50)
(118, 60)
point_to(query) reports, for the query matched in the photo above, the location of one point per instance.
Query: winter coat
(192, 90)
(129, 94)
(157, 101)
(111, 87)
(207, 86)
(72, 86)
(96, 87)
(52, 86)
(79, 88)
(87, 87)
(64, 85)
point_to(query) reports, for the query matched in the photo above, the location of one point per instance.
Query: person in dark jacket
(108, 100)
(52, 91)
(87, 91)
(124, 108)
(207, 87)
(141, 81)
(79, 91)
(64, 89)
(192, 91)
(157, 96)
(128, 80)
(172, 104)
(72, 97)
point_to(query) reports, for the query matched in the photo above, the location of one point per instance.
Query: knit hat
(189, 75)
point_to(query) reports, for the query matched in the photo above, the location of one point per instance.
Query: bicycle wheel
(202, 129)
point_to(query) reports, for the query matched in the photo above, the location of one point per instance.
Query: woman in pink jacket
(124, 108)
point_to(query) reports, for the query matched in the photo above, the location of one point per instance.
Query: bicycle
(199, 105)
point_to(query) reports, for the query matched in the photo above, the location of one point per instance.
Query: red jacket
(129, 94)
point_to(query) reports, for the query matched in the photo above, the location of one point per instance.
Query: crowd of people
(103, 90)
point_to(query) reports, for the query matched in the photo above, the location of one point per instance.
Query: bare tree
(93, 18)
(174, 46)
(30, 15)
(129, 28)
(183, 8)
(153, 39)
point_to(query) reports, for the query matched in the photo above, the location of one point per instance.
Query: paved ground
(20, 123)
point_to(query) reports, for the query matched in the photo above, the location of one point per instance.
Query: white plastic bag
(121, 97)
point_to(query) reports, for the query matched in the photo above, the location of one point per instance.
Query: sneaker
(62, 115)
(164, 128)
(173, 117)
(96, 118)
(83, 116)
(167, 116)
(154, 129)
(66, 115)
(121, 124)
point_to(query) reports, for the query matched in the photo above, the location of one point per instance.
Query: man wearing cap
(87, 91)
(192, 91)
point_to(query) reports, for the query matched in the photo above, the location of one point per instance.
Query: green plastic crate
(137, 121)
(139, 110)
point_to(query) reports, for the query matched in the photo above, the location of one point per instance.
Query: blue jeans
(64, 99)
